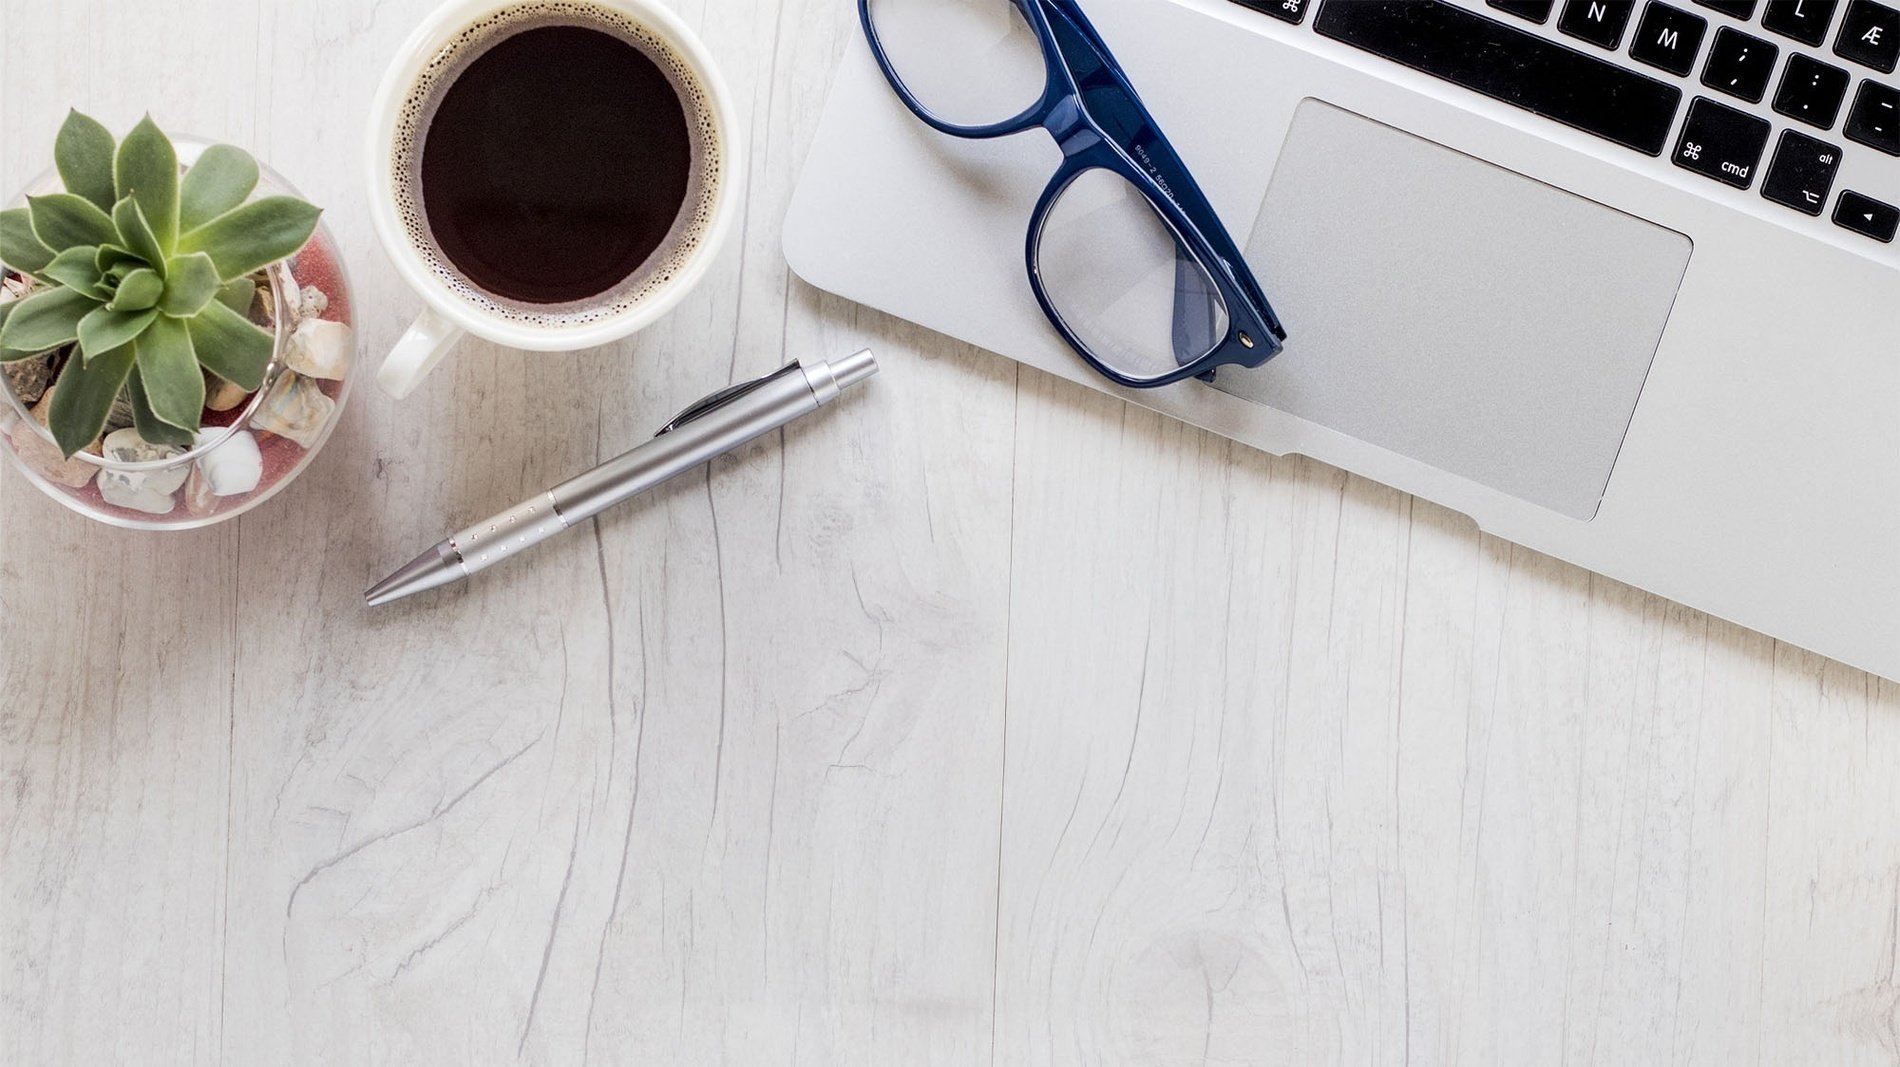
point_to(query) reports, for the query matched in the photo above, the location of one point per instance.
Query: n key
(1600, 22)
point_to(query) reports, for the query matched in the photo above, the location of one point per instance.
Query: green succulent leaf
(138, 290)
(190, 283)
(149, 425)
(46, 319)
(231, 347)
(146, 168)
(84, 397)
(64, 220)
(221, 179)
(103, 329)
(74, 268)
(255, 235)
(83, 152)
(112, 256)
(7, 355)
(20, 247)
(135, 234)
(169, 369)
(238, 295)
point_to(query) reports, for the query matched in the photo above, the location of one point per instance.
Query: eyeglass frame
(1254, 333)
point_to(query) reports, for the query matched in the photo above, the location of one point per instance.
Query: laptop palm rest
(1455, 312)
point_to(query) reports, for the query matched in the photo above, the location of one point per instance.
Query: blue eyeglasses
(1125, 255)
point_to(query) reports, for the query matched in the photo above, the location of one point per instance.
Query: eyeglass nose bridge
(1070, 127)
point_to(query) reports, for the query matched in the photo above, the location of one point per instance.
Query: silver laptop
(1620, 282)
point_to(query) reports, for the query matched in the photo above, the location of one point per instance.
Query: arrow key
(1867, 216)
(1874, 119)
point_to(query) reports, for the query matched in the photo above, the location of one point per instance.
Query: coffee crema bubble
(556, 162)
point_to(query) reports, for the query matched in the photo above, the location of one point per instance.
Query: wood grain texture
(980, 719)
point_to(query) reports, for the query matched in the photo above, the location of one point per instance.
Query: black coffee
(555, 165)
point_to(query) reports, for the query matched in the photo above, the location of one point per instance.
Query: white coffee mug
(455, 308)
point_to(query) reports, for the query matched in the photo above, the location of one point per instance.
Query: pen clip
(712, 402)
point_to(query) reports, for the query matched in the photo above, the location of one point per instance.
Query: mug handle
(429, 339)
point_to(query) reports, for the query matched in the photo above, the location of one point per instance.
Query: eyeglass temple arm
(1151, 150)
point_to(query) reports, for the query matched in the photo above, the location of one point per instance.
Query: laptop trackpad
(1455, 312)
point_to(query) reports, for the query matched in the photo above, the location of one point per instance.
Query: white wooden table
(981, 719)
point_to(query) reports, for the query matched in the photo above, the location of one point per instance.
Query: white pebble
(319, 348)
(234, 467)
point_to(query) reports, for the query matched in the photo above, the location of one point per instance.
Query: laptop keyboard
(1626, 72)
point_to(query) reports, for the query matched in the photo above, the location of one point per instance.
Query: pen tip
(378, 594)
(426, 571)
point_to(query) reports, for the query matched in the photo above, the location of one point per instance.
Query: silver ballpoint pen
(710, 428)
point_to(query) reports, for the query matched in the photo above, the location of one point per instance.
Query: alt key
(1867, 216)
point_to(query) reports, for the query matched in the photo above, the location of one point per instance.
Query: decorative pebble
(320, 349)
(221, 395)
(294, 408)
(28, 378)
(121, 414)
(267, 306)
(153, 492)
(199, 499)
(234, 467)
(311, 302)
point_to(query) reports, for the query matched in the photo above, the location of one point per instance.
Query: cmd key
(1722, 143)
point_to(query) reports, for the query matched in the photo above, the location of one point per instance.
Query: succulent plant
(145, 275)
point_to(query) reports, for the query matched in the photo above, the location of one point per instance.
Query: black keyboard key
(1867, 216)
(1804, 20)
(1811, 91)
(1293, 11)
(1720, 142)
(1541, 76)
(1535, 10)
(1870, 34)
(1739, 65)
(1668, 38)
(1741, 9)
(1802, 172)
(1874, 120)
(1600, 22)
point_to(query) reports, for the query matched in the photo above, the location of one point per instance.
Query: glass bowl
(251, 445)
